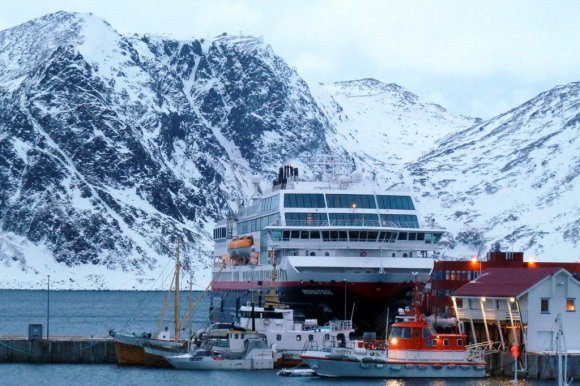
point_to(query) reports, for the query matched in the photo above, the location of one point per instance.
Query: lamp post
(475, 260)
(48, 308)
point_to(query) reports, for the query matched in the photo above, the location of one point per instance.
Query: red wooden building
(449, 275)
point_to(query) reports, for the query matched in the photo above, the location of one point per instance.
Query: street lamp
(474, 261)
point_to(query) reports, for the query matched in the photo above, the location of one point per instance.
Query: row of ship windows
(263, 205)
(455, 275)
(298, 337)
(257, 223)
(362, 201)
(325, 219)
(351, 219)
(219, 233)
(429, 238)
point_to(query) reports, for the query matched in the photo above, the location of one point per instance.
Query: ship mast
(271, 299)
(176, 301)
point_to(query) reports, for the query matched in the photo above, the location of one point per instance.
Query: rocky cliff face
(112, 146)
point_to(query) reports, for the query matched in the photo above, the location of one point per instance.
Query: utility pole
(48, 308)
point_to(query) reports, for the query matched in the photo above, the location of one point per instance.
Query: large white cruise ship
(341, 248)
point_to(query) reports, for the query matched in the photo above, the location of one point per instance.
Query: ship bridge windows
(395, 202)
(400, 220)
(277, 235)
(354, 219)
(334, 236)
(306, 219)
(432, 238)
(269, 203)
(363, 236)
(361, 201)
(294, 200)
(257, 223)
(387, 237)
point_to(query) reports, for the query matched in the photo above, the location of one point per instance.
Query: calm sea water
(86, 313)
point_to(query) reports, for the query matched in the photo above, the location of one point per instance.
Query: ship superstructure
(342, 248)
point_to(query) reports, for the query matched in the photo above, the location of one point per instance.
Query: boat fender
(363, 253)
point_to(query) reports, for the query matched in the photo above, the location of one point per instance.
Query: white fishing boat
(287, 335)
(238, 350)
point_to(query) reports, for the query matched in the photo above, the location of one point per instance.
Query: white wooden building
(521, 305)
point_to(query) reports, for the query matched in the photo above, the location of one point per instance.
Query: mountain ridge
(112, 145)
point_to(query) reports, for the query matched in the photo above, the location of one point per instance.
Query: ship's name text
(325, 292)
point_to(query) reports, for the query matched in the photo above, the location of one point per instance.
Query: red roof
(505, 282)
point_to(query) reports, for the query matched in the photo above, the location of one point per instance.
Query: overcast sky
(477, 58)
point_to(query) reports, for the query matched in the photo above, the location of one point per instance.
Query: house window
(434, 342)
(278, 337)
(545, 306)
(459, 303)
(570, 306)
(445, 342)
(459, 342)
(310, 337)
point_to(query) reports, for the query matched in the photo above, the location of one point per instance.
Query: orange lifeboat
(241, 246)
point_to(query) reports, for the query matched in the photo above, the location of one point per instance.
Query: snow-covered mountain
(514, 178)
(384, 126)
(111, 146)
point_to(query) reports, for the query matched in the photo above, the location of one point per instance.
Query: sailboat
(130, 349)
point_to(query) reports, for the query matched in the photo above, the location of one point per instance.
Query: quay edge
(540, 366)
(89, 350)
(58, 350)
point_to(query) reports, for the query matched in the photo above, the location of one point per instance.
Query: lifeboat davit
(241, 246)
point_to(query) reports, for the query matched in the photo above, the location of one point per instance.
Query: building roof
(505, 282)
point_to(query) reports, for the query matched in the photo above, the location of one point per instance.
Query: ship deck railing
(340, 325)
(476, 352)
(350, 223)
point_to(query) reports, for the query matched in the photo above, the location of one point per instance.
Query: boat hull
(131, 351)
(380, 368)
(259, 360)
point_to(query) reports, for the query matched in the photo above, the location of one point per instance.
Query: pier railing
(490, 314)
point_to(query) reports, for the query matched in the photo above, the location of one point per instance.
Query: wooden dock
(63, 349)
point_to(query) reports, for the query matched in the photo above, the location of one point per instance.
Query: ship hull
(366, 302)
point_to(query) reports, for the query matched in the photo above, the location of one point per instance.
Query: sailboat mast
(176, 303)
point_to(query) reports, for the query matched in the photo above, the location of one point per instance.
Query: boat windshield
(401, 332)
